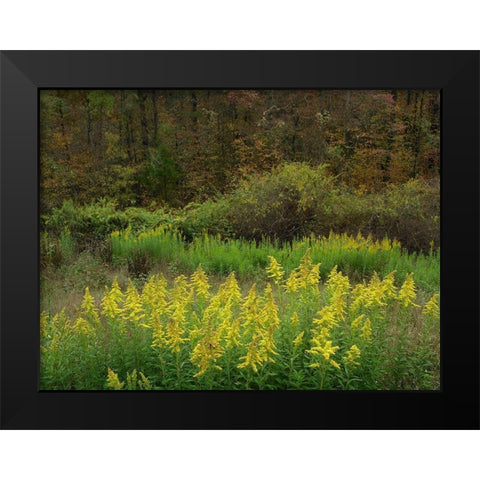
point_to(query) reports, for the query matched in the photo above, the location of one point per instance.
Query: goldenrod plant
(303, 330)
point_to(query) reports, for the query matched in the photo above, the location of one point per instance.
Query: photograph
(239, 239)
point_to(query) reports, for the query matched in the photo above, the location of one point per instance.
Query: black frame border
(24, 73)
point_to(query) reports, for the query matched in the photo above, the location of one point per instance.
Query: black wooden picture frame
(24, 73)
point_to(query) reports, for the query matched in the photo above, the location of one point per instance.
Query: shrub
(291, 201)
(295, 200)
(90, 224)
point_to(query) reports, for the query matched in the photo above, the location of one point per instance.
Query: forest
(240, 239)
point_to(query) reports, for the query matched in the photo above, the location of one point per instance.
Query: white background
(250, 25)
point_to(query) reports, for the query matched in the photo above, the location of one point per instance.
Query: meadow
(160, 312)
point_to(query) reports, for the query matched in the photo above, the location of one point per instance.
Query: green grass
(358, 257)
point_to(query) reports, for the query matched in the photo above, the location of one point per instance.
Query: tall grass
(359, 257)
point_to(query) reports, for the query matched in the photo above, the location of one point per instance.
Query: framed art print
(239, 240)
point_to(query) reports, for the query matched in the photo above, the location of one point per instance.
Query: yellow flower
(135, 383)
(327, 349)
(199, 281)
(112, 300)
(175, 328)
(298, 339)
(275, 270)
(133, 308)
(88, 308)
(407, 291)
(294, 319)
(328, 317)
(144, 382)
(366, 330)
(293, 282)
(206, 353)
(350, 359)
(253, 357)
(337, 284)
(334, 364)
(82, 327)
(154, 295)
(324, 349)
(113, 382)
(158, 334)
(313, 276)
(431, 308)
(232, 334)
(304, 276)
(355, 325)
(233, 290)
(389, 285)
(181, 292)
(250, 307)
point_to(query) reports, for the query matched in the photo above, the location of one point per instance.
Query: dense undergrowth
(293, 201)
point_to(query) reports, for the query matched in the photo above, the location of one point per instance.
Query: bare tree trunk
(89, 120)
(418, 134)
(63, 130)
(153, 95)
(142, 94)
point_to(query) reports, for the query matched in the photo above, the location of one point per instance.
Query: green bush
(292, 201)
(91, 224)
(407, 212)
(296, 200)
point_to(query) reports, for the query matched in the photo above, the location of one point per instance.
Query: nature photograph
(239, 239)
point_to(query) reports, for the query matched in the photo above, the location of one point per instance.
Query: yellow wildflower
(326, 350)
(431, 308)
(304, 276)
(112, 300)
(313, 276)
(113, 382)
(334, 363)
(327, 317)
(144, 382)
(200, 283)
(154, 295)
(275, 270)
(323, 348)
(366, 330)
(133, 308)
(250, 307)
(298, 339)
(175, 328)
(206, 353)
(233, 290)
(337, 283)
(88, 308)
(158, 334)
(132, 380)
(82, 327)
(253, 358)
(350, 359)
(389, 285)
(232, 334)
(407, 291)
(294, 319)
(293, 282)
(355, 325)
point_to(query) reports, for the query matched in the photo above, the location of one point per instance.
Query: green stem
(177, 358)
